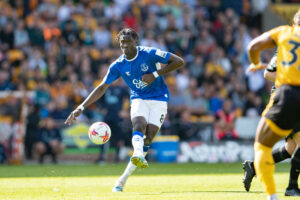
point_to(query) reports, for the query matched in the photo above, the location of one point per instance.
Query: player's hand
(253, 68)
(148, 78)
(73, 116)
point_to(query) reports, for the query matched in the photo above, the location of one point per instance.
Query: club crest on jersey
(144, 67)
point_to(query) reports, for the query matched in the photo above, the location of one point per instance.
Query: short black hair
(128, 31)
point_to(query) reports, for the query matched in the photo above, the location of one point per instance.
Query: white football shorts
(153, 111)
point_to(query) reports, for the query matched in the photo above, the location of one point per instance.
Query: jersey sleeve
(160, 56)
(112, 74)
(274, 33)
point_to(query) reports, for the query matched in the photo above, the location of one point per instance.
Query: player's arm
(174, 63)
(260, 43)
(93, 96)
(96, 94)
(271, 76)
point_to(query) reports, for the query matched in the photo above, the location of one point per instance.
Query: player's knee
(140, 126)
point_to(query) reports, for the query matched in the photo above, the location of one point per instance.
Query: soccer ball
(99, 133)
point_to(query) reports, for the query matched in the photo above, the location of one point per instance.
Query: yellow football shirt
(287, 38)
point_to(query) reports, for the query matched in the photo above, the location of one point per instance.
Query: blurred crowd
(62, 49)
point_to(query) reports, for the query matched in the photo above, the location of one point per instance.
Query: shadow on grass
(7, 171)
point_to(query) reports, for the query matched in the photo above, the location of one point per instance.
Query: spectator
(7, 35)
(49, 140)
(5, 81)
(3, 156)
(101, 37)
(149, 40)
(5, 138)
(185, 128)
(176, 102)
(65, 11)
(196, 68)
(194, 100)
(21, 37)
(35, 31)
(31, 129)
(224, 124)
(112, 11)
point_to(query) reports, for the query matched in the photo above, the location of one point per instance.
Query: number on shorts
(293, 52)
(162, 117)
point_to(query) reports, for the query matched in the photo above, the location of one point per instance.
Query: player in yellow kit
(282, 114)
(289, 150)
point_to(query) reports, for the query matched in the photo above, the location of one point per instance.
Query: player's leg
(264, 162)
(293, 188)
(157, 114)
(282, 114)
(279, 154)
(155, 120)
(279, 112)
(151, 131)
(150, 134)
(139, 116)
(139, 127)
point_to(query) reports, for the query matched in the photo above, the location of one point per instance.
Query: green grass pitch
(160, 181)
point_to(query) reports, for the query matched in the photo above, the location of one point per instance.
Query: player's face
(128, 45)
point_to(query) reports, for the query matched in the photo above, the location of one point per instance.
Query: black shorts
(284, 109)
(273, 89)
(294, 131)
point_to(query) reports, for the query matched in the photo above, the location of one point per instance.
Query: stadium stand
(60, 50)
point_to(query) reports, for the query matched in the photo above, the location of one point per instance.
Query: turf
(159, 181)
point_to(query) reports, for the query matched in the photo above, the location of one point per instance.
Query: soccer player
(280, 153)
(282, 114)
(141, 70)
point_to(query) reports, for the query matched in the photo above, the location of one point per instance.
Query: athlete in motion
(140, 68)
(282, 114)
(281, 153)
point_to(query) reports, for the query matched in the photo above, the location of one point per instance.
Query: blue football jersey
(146, 61)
